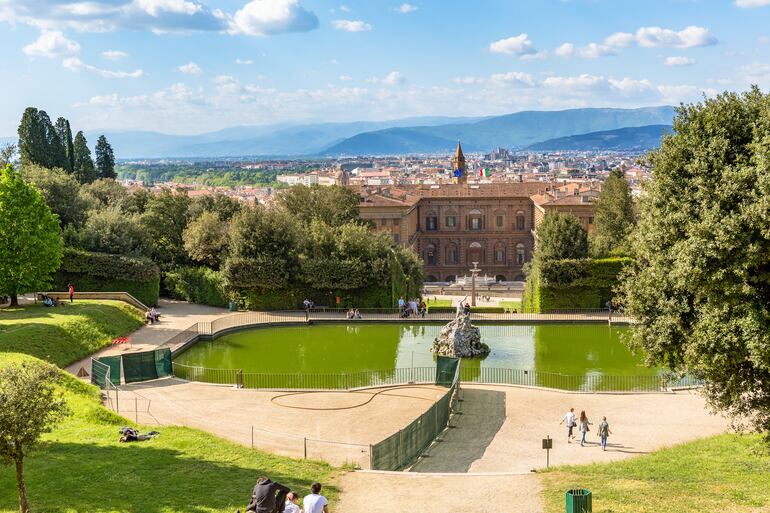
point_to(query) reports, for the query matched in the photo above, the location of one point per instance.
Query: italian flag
(483, 171)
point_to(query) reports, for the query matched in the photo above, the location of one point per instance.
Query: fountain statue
(460, 339)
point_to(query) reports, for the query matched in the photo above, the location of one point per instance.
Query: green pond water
(586, 351)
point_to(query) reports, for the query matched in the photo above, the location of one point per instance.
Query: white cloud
(114, 55)
(352, 25)
(679, 60)
(469, 80)
(346, 78)
(406, 8)
(591, 51)
(519, 45)
(76, 65)
(690, 37)
(565, 50)
(580, 82)
(620, 40)
(157, 7)
(345, 8)
(52, 43)
(190, 68)
(513, 78)
(751, 3)
(268, 17)
(394, 78)
(244, 62)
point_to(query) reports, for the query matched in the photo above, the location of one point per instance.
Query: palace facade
(453, 225)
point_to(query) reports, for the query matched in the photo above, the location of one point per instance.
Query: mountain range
(637, 138)
(422, 135)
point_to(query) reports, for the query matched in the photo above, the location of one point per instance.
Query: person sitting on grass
(47, 301)
(292, 506)
(132, 435)
(267, 496)
(315, 502)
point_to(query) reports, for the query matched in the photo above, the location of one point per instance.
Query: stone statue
(460, 339)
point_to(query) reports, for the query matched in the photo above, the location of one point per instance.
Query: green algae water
(541, 354)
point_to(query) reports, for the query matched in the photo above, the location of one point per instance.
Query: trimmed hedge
(196, 285)
(100, 272)
(291, 299)
(477, 309)
(572, 284)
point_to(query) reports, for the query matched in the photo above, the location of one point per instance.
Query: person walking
(583, 424)
(71, 291)
(569, 418)
(315, 502)
(604, 432)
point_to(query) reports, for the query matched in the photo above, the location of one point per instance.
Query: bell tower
(458, 165)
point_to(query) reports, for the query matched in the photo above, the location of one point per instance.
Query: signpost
(547, 445)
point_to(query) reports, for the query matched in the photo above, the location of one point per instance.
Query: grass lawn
(81, 468)
(725, 473)
(511, 305)
(63, 335)
(438, 302)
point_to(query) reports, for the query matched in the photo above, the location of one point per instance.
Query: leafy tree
(83, 167)
(65, 136)
(699, 289)
(62, 193)
(614, 215)
(105, 159)
(335, 205)
(135, 202)
(7, 153)
(560, 236)
(55, 151)
(29, 407)
(111, 231)
(205, 239)
(105, 192)
(224, 206)
(164, 220)
(30, 244)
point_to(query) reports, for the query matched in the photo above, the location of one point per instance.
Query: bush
(196, 285)
(572, 284)
(476, 309)
(100, 272)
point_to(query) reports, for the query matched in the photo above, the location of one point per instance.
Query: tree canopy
(83, 167)
(30, 243)
(62, 193)
(560, 236)
(29, 407)
(614, 218)
(335, 205)
(105, 159)
(39, 142)
(699, 289)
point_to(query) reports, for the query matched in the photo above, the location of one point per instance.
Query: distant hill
(637, 138)
(517, 130)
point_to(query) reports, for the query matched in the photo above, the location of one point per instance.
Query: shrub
(196, 285)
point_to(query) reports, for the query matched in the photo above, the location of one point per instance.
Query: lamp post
(474, 272)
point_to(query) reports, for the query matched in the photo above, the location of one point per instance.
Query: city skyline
(185, 66)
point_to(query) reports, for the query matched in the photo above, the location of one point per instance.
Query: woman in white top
(315, 502)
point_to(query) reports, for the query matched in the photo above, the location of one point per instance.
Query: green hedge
(196, 285)
(477, 309)
(100, 272)
(291, 299)
(572, 284)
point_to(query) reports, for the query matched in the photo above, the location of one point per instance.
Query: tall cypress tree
(31, 138)
(65, 136)
(55, 155)
(83, 169)
(105, 159)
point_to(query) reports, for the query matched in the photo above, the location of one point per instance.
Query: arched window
(475, 220)
(430, 279)
(431, 222)
(452, 257)
(520, 220)
(499, 219)
(475, 253)
(430, 254)
(520, 254)
(500, 253)
(450, 219)
(499, 278)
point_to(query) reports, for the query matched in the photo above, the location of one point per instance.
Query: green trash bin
(579, 501)
(233, 306)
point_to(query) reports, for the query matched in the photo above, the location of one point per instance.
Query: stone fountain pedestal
(460, 339)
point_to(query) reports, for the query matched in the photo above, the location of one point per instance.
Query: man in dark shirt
(267, 497)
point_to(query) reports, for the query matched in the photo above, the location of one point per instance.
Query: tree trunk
(14, 300)
(23, 503)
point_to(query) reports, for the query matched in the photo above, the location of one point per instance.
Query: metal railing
(116, 296)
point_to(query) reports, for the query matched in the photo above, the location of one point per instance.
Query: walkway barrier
(133, 367)
(116, 296)
(402, 448)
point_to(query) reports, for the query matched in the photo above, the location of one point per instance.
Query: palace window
(475, 223)
(499, 253)
(451, 254)
(451, 221)
(384, 222)
(397, 222)
(499, 221)
(520, 220)
(431, 223)
(475, 220)
(430, 255)
(397, 238)
(520, 254)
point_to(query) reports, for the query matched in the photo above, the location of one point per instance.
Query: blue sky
(190, 66)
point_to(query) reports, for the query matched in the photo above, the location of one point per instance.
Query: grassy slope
(63, 335)
(81, 467)
(726, 473)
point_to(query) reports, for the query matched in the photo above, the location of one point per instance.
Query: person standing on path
(583, 424)
(71, 290)
(315, 502)
(604, 432)
(569, 418)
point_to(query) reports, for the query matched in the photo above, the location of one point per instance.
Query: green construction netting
(99, 368)
(147, 365)
(446, 368)
(400, 449)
